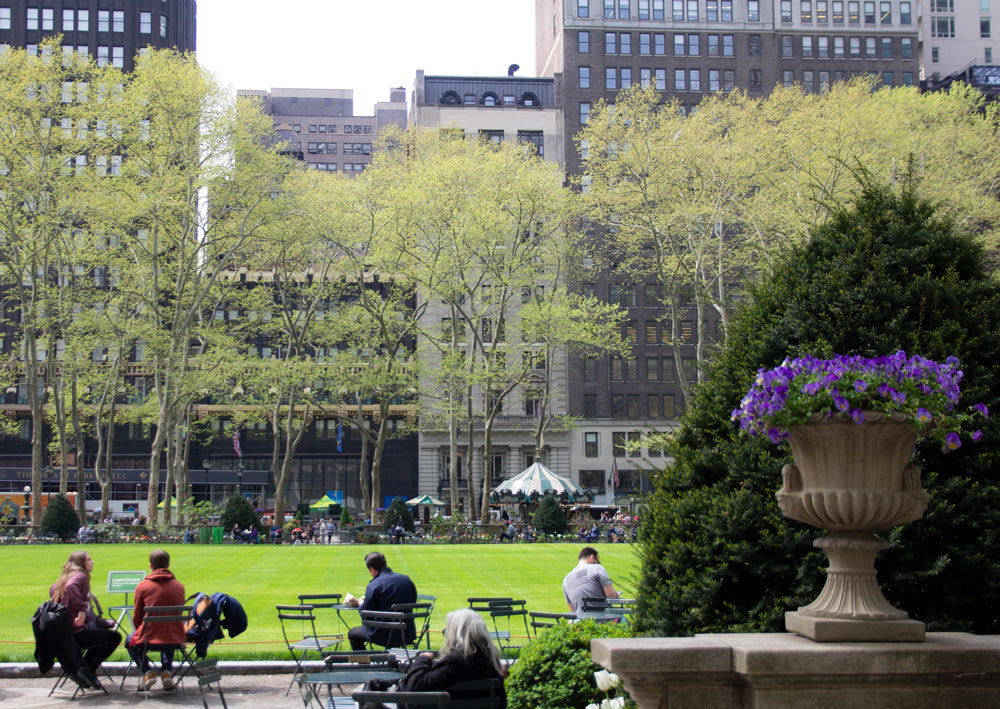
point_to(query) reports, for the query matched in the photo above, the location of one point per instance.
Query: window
(838, 12)
(644, 43)
(48, 18)
(838, 47)
(609, 9)
(821, 11)
(753, 10)
(535, 139)
(855, 47)
(610, 43)
(163, 26)
(590, 370)
(584, 113)
(807, 47)
(692, 10)
(907, 78)
(626, 77)
(643, 9)
(906, 47)
(69, 20)
(585, 77)
(658, 10)
(869, 47)
(583, 8)
(583, 42)
(984, 28)
(617, 369)
(713, 45)
(712, 10)
(823, 47)
(854, 12)
(886, 47)
(610, 78)
(805, 11)
(942, 5)
(103, 21)
(660, 77)
(668, 406)
(808, 81)
(714, 80)
(625, 43)
(905, 13)
(787, 51)
(678, 12)
(942, 26)
(788, 78)
(4, 18)
(145, 22)
(680, 45)
(623, 9)
(652, 369)
(103, 55)
(645, 78)
(935, 55)
(659, 44)
(694, 48)
(590, 447)
(870, 12)
(988, 56)
(755, 80)
(727, 10)
(618, 443)
(887, 79)
(885, 13)
(695, 77)
(824, 81)
(786, 10)
(754, 45)
(727, 45)
(680, 80)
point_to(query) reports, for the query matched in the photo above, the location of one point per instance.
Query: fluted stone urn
(852, 480)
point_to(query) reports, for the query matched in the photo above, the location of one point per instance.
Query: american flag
(236, 444)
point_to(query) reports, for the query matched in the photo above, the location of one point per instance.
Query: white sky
(364, 45)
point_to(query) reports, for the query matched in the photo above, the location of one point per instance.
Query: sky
(365, 45)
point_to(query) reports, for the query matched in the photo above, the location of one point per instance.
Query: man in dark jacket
(384, 590)
(159, 588)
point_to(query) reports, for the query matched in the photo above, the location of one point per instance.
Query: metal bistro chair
(324, 601)
(481, 604)
(542, 619)
(396, 623)
(155, 615)
(420, 614)
(345, 668)
(468, 694)
(507, 612)
(298, 626)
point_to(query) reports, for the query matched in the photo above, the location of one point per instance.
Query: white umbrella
(425, 500)
(537, 480)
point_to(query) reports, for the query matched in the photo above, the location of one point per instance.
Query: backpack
(210, 615)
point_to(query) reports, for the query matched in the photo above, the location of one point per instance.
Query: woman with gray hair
(468, 653)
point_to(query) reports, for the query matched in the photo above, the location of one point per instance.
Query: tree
(60, 518)
(238, 510)
(885, 273)
(399, 513)
(549, 517)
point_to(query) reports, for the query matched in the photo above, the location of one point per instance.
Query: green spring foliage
(885, 273)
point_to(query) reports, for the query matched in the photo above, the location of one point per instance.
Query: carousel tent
(537, 480)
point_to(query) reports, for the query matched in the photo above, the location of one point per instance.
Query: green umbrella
(323, 503)
(163, 503)
(425, 500)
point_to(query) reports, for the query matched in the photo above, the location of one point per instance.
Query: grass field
(262, 576)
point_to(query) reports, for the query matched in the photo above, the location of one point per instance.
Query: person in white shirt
(588, 580)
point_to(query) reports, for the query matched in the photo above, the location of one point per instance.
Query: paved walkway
(247, 685)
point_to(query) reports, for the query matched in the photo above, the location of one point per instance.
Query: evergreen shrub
(399, 511)
(555, 670)
(238, 510)
(59, 518)
(549, 517)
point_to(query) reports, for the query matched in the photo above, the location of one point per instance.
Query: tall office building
(112, 31)
(957, 44)
(321, 128)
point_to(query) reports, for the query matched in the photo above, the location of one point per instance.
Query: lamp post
(207, 465)
(27, 501)
(239, 477)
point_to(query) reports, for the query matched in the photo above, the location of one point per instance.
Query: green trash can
(216, 535)
(204, 535)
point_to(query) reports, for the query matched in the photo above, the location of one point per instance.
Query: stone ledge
(785, 671)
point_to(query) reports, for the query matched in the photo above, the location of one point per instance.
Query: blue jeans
(142, 660)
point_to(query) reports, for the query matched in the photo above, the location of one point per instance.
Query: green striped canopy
(537, 480)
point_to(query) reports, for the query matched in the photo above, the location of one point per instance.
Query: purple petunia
(976, 435)
(983, 409)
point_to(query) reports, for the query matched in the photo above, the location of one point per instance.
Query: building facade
(321, 129)
(111, 31)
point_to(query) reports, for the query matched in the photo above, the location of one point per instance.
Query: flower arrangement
(921, 390)
(606, 682)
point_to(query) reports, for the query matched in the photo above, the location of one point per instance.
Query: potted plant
(851, 423)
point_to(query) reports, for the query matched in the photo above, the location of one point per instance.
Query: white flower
(603, 679)
(617, 703)
(593, 706)
(615, 679)
(605, 704)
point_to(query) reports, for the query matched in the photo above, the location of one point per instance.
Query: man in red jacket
(160, 588)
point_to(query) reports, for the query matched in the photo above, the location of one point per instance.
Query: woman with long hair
(468, 653)
(94, 635)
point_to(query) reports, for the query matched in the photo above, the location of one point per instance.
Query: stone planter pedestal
(785, 671)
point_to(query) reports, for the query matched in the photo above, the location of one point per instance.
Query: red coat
(160, 588)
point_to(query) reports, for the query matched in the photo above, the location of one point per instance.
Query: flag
(340, 436)
(236, 444)
(616, 479)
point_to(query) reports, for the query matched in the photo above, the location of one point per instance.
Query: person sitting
(160, 588)
(386, 589)
(253, 536)
(468, 653)
(529, 533)
(189, 536)
(508, 533)
(594, 534)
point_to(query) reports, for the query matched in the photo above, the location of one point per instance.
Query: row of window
(79, 20)
(489, 99)
(868, 11)
(656, 369)
(331, 148)
(680, 10)
(623, 443)
(349, 129)
(841, 47)
(819, 81)
(630, 406)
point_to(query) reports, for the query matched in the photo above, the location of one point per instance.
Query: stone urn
(852, 480)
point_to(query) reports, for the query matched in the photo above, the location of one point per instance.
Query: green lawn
(262, 576)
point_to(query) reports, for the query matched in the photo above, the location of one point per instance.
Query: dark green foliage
(549, 517)
(60, 518)
(883, 275)
(238, 510)
(555, 670)
(345, 518)
(399, 511)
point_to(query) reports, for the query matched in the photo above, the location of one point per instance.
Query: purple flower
(898, 397)
(775, 435)
(983, 409)
(976, 435)
(923, 415)
(858, 415)
(840, 402)
(952, 442)
(860, 385)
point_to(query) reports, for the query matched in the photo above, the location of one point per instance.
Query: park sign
(124, 581)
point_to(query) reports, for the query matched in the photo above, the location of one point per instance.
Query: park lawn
(261, 576)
